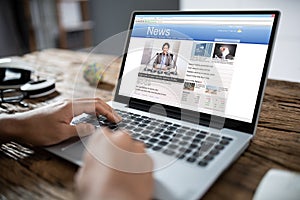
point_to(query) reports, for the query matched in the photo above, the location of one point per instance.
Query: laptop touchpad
(75, 150)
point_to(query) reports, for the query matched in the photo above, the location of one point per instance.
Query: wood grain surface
(33, 173)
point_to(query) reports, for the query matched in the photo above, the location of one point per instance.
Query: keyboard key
(190, 133)
(121, 125)
(159, 130)
(204, 132)
(196, 141)
(178, 135)
(164, 126)
(183, 143)
(185, 127)
(112, 126)
(154, 123)
(129, 127)
(212, 139)
(174, 140)
(192, 146)
(169, 152)
(187, 138)
(226, 138)
(219, 147)
(131, 117)
(215, 135)
(171, 128)
(191, 159)
(205, 146)
(134, 123)
(144, 137)
(146, 132)
(157, 148)
(172, 146)
(180, 130)
(164, 137)
(197, 154)
(200, 136)
(101, 118)
(138, 129)
(184, 150)
(146, 121)
(106, 121)
(123, 114)
(202, 163)
(150, 128)
(154, 135)
(168, 133)
(148, 145)
(224, 142)
(142, 125)
(163, 143)
(208, 158)
(214, 152)
(126, 121)
(176, 125)
(137, 134)
(180, 156)
(153, 140)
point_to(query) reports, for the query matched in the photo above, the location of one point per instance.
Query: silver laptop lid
(204, 64)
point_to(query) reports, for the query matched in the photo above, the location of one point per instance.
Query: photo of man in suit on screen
(163, 60)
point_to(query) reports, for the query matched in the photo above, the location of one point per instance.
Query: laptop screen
(209, 63)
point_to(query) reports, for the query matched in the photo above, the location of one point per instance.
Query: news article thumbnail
(224, 51)
(189, 86)
(210, 89)
(159, 61)
(201, 50)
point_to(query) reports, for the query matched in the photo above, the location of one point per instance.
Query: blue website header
(255, 34)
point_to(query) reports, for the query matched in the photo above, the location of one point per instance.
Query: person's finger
(115, 115)
(98, 100)
(108, 112)
(87, 106)
(95, 106)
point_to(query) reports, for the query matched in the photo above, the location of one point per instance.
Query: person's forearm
(9, 128)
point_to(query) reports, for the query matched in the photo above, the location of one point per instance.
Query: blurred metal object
(15, 150)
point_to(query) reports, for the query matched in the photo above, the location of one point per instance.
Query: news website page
(210, 64)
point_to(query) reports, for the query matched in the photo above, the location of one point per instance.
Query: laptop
(190, 87)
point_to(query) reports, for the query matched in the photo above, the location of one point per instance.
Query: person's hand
(115, 167)
(51, 124)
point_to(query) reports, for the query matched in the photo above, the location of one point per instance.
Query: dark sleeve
(155, 61)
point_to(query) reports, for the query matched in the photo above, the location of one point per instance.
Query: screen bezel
(204, 119)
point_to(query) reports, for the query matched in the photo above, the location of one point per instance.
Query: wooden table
(42, 175)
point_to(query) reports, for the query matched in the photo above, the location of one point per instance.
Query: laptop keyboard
(193, 145)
